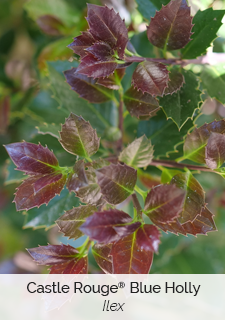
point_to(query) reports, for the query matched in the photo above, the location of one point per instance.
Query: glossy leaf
(164, 203)
(46, 216)
(213, 80)
(71, 221)
(92, 67)
(147, 238)
(138, 154)
(38, 190)
(176, 80)
(32, 159)
(181, 106)
(196, 141)
(163, 134)
(215, 150)
(81, 43)
(62, 259)
(108, 226)
(87, 88)
(113, 81)
(116, 182)
(78, 137)
(128, 258)
(194, 196)
(51, 25)
(206, 24)
(101, 51)
(140, 105)
(148, 8)
(170, 29)
(107, 26)
(101, 253)
(151, 77)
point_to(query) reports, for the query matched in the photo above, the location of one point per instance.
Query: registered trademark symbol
(121, 285)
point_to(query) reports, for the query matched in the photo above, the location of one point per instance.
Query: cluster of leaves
(122, 243)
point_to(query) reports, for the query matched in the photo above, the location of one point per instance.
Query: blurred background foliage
(35, 100)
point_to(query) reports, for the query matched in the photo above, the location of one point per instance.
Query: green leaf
(148, 7)
(213, 80)
(168, 174)
(181, 105)
(69, 100)
(206, 24)
(163, 133)
(138, 154)
(45, 217)
(58, 8)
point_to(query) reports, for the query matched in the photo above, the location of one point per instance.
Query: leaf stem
(137, 206)
(141, 192)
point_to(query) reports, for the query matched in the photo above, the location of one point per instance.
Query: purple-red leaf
(78, 137)
(63, 259)
(101, 253)
(86, 87)
(92, 67)
(164, 203)
(215, 150)
(71, 221)
(147, 238)
(140, 105)
(138, 154)
(170, 29)
(116, 182)
(151, 77)
(81, 43)
(108, 226)
(106, 25)
(31, 158)
(194, 196)
(128, 258)
(38, 189)
(112, 82)
(101, 51)
(196, 141)
(176, 80)
(50, 25)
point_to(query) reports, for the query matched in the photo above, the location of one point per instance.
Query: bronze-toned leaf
(176, 80)
(215, 150)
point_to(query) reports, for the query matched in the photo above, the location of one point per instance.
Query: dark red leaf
(105, 226)
(196, 141)
(86, 87)
(81, 43)
(70, 222)
(92, 67)
(107, 26)
(215, 150)
(101, 51)
(170, 29)
(164, 203)
(125, 230)
(140, 105)
(176, 80)
(31, 158)
(128, 258)
(147, 238)
(50, 25)
(63, 259)
(113, 81)
(116, 182)
(38, 189)
(101, 253)
(151, 77)
(78, 137)
(194, 196)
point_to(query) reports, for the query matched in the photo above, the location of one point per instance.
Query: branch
(174, 164)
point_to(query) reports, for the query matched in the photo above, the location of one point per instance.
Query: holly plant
(107, 173)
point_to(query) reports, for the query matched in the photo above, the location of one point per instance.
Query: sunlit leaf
(63, 259)
(116, 182)
(87, 88)
(128, 258)
(170, 29)
(101, 253)
(71, 221)
(147, 238)
(140, 105)
(138, 154)
(78, 137)
(151, 77)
